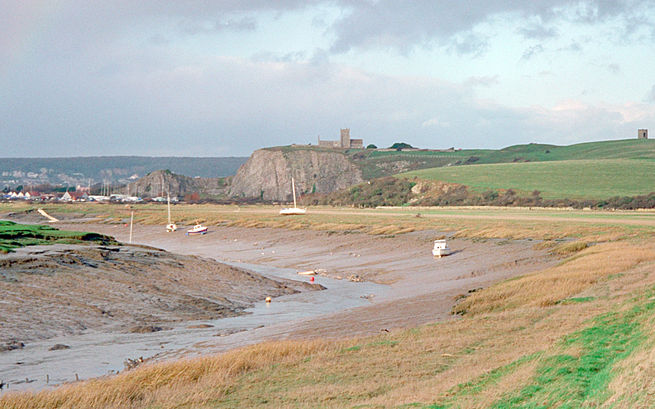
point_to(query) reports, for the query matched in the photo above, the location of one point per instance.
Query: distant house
(74, 197)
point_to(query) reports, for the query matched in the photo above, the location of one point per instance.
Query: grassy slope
(640, 152)
(13, 235)
(575, 179)
(616, 149)
(580, 334)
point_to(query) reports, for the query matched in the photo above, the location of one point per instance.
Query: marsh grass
(542, 224)
(549, 287)
(14, 235)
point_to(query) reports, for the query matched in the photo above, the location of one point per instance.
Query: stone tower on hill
(642, 134)
(345, 142)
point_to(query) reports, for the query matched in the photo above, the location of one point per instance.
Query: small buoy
(311, 279)
(268, 299)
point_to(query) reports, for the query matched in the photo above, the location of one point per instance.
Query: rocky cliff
(160, 182)
(267, 174)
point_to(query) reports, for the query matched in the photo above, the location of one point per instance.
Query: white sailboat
(291, 211)
(170, 227)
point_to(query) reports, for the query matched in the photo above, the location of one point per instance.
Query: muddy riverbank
(58, 290)
(402, 286)
(422, 289)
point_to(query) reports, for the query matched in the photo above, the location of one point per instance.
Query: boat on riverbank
(198, 229)
(440, 248)
(291, 211)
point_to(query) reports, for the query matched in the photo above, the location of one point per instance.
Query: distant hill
(114, 169)
(627, 167)
(533, 152)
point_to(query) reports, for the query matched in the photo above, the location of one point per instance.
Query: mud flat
(69, 308)
(421, 289)
(49, 291)
(373, 284)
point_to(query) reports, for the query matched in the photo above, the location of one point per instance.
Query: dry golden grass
(466, 222)
(548, 287)
(183, 383)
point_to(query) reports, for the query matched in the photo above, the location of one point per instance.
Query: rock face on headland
(161, 182)
(267, 174)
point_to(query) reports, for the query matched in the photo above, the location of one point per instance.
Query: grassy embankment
(13, 235)
(580, 334)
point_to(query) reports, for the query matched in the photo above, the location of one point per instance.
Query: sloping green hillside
(621, 149)
(575, 179)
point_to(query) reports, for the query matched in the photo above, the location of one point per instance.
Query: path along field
(579, 334)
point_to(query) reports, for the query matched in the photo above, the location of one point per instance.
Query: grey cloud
(532, 51)
(388, 23)
(469, 44)
(614, 68)
(192, 26)
(404, 25)
(538, 32)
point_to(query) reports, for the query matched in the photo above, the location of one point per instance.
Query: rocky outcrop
(161, 182)
(267, 174)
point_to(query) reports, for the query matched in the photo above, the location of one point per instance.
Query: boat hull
(293, 211)
(440, 252)
(197, 230)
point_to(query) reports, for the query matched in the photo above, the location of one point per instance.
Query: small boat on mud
(198, 229)
(440, 248)
(291, 211)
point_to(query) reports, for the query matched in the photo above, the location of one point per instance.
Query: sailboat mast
(293, 189)
(168, 196)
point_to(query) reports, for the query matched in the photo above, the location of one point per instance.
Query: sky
(224, 78)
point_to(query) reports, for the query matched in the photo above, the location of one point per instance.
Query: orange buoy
(268, 299)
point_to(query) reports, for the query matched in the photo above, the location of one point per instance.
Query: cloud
(614, 68)
(538, 32)
(405, 25)
(483, 81)
(650, 97)
(469, 44)
(532, 51)
(193, 27)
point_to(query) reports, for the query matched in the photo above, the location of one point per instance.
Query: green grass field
(574, 179)
(533, 152)
(13, 235)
